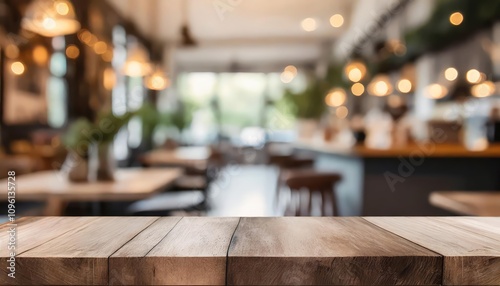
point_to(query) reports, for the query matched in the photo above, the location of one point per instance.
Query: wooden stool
(312, 182)
(287, 163)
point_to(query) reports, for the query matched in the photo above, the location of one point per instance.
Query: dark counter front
(398, 182)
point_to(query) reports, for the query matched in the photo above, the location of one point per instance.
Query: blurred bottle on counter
(493, 126)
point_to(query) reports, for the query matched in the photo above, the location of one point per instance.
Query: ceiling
(239, 34)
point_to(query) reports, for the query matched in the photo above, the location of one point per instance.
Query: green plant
(309, 103)
(82, 133)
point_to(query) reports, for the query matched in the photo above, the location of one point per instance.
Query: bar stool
(287, 163)
(312, 182)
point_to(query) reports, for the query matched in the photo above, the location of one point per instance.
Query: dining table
(56, 190)
(195, 157)
(252, 251)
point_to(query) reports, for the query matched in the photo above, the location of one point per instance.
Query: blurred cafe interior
(251, 108)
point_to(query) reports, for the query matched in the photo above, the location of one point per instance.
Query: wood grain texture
(326, 251)
(129, 184)
(79, 255)
(467, 202)
(192, 253)
(471, 254)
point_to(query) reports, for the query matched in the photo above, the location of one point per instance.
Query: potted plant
(308, 106)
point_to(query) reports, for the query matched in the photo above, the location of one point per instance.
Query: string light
(404, 86)
(456, 18)
(436, 91)
(358, 89)
(336, 97)
(451, 74)
(473, 76)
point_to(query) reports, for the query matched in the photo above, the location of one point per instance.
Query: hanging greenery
(438, 33)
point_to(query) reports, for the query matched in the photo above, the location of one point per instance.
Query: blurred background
(263, 108)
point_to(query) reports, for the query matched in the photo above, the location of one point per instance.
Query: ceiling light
(337, 21)
(309, 24)
(51, 18)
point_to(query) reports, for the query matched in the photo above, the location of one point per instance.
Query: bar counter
(254, 251)
(399, 181)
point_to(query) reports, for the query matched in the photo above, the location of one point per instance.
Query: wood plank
(470, 258)
(130, 184)
(34, 231)
(192, 253)
(78, 256)
(468, 202)
(326, 251)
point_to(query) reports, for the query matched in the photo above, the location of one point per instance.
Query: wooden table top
(468, 202)
(194, 157)
(129, 184)
(255, 251)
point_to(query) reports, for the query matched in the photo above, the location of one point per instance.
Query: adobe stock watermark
(222, 7)
(408, 165)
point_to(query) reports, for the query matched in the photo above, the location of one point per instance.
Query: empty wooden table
(56, 190)
(254, 251)
(468, 202)
(187, 157)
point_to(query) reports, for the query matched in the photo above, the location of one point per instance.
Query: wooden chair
(312, 182)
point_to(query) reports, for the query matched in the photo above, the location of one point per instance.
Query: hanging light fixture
(380, 86)
(355, 70)
(157, 80)
(51, 18)
(137, 63)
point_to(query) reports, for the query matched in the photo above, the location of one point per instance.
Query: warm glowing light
(404, 86)
(62, 8)
(358, 89)
(49, 23)
(436, 91)
(456, 18)
(336, 97)
(355, 75)
(291, 69)
(85, 36)
(337, 21)
(287, 76)
(451, 74)
(107, 56)
(100, 47)
(473, 76)
(11, 51)
(17, 68)
(40, 55)
(157, 81)
(342, 112)
(109, 78)
(50, 18)
(137, 63)
(72, 52)
(309, 24)
(380, 86)
(483, 89)
(355, 71)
